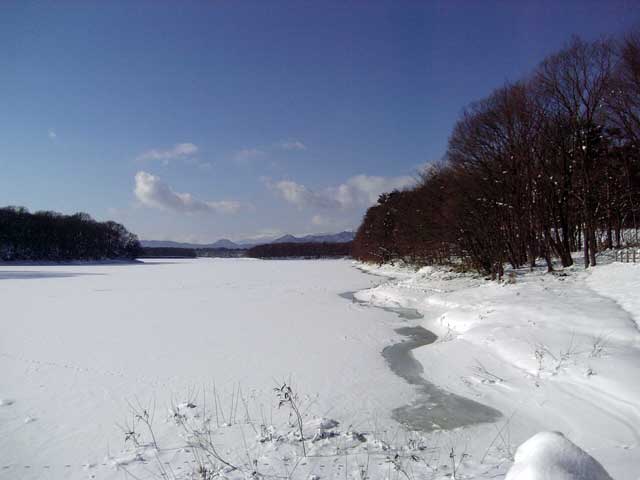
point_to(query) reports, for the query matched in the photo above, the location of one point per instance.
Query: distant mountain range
(245, 244)
(325, 237)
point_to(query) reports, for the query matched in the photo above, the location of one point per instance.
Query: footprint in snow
(5, 402)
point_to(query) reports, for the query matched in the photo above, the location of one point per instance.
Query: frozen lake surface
(79, 342)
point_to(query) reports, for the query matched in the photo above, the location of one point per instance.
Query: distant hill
(225, 243)
(284, 239)
(340, 237)
(222, 243)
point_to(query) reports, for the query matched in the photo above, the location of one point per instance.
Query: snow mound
(551, 456)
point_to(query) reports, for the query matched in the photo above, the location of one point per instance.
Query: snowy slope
(552, 352)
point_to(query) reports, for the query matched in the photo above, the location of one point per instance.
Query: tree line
(53, 236)
(539, 169)
(300, 250)
(167, 252)
(179, 252)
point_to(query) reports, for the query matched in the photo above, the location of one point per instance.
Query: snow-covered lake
(78, 342)
(81, 345)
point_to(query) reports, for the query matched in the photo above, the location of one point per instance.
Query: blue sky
(200, 120)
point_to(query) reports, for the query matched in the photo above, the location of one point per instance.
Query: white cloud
(365, 189)
(292, 145)
(299, 195)
(293, 192)
(153, 192)
(52, 135)
(180, 150)
(357, 192)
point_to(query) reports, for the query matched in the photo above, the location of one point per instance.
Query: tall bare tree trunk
(586, 246)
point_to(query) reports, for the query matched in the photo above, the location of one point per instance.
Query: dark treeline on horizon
(178, 252)
(300, 250)
(540, 168)
(167, 252)
(221, 252)
(53, 236)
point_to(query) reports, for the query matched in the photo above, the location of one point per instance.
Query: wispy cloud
(357, 192)
(180, 150)
(52, 135)
(291, 145)
(249, 155)
(152, 192)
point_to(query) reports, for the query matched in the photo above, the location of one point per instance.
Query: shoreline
(551, 352)
(64, 263)
(434, 408)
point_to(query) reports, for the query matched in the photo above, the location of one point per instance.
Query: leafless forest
(542, 167)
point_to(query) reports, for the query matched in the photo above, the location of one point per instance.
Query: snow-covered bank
(552, 352)
(432, 409)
